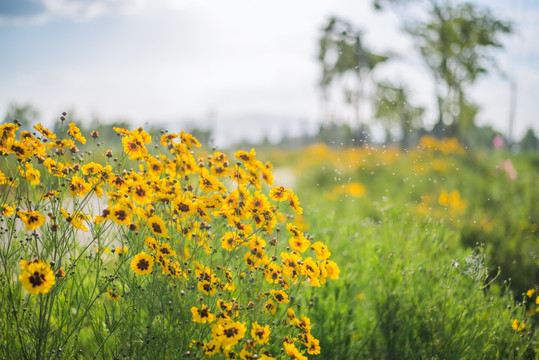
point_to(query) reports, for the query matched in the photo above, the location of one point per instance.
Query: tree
(342, 53)
(455, 43)
(529, 142)
(393, 108)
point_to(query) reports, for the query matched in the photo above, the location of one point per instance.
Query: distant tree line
(455, 42)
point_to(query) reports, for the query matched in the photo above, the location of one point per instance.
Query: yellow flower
(279, 193)
(92, 168)
(297, 242)
(142, 264)
(332, 269)
(6, 210)
(202, 315)
(321, 250)
(55, 168)
(157, 226)
(313, 345)
(61, 144)
(247, 157)
(133, 144)
(280, 296)
(75, 133)
(293, 352)
(31, 219)
(294, 203)
(228, 333)
(230, 240)
(76, 219)
(20, 149)
(49, 194)
(260, 334)
(189, 140)
(30, 174)
(121, 214)
(530, 292)
(113, 295)
(45, 132)
(270, 307)
(37, 277)
(518, 326)
(79, 186)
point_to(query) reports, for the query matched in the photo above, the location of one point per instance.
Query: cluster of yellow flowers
(445, 145)
(184, 211)
(520, 326)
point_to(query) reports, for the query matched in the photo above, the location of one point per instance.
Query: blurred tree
(342, 53)
(26, 114)
(529, 142)
(455, 43)
(392, 107)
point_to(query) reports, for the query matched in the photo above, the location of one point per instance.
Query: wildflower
(157, 226)
(230, 240)
(75, 133)
(332, 269)
(189, 140)
(294, 203)
(79, 186)
(530, 292)
(21, 150)
(202, 315)
(260, 334)
(49, 194)
(228, 333)
(142, 264)
(246, 157)
(121, 214)
(321, 250)
(6, 210)
(113, 295)
(61, 144)
(280, 296)
(313, 345)
(76, 219)
(7, 135)
(518, 326)
(141, 194)
(270, 307)
(207, 287)
(297, 242)
(37, 277)
(273, 273)
(31, 219)
(134, 147)
(279, 193)
(293, 352)
(55, 168)
(91, 168)
(45, 132)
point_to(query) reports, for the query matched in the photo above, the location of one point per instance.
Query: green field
(162, 249)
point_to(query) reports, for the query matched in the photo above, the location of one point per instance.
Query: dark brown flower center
(231, 332)
(37, 279)
(157, 228)
(143, 264)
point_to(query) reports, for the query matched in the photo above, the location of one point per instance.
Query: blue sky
(247, 69)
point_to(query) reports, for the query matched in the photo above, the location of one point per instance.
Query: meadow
(160, 248)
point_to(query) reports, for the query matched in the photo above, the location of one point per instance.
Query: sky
(245, 69)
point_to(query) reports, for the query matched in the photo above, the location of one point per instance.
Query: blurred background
(288, 73)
